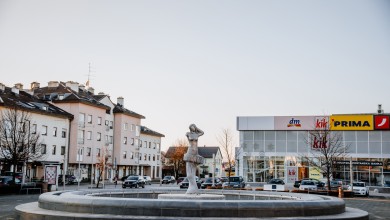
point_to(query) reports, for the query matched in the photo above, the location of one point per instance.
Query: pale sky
(206, 62)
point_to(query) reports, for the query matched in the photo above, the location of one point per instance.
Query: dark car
(69, 179)
(276, 182)
(180, 179)
(7, 180)
(209, 182)
(10, 173)
(387, 184)
(234, 182)
(185, 183)
(168, 179)
(134, 181)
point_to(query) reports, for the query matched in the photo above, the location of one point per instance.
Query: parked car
(387, 184)
(209, 182)
(69, 179)
(19, 175)
(234, 182)
(276, 181)
(134, 181)
(335, 184)
(308, 185)
(359, 188)
(168, 179)
(319, 183)
(148, 180)
(185, 183)
(180, 179)
(7, 180)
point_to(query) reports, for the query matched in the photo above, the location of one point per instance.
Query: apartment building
(150, 153)
(51, 123)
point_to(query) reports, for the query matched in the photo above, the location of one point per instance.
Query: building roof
(120, 109)
(206, 152)
(12, 97)
(63, 94)
(145, 130)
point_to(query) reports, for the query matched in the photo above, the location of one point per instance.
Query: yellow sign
(351, 122)
(315, 173)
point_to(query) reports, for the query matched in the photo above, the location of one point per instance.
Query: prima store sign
(351, 122)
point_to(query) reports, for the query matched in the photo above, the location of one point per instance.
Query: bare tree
(327, 148)
(225, 139)
(101, 165)
(18, 142)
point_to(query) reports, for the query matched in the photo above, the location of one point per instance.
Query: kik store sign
(351, 122)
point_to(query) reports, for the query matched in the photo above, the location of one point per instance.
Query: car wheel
(136, 186)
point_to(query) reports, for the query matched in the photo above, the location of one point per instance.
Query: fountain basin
(143, 204)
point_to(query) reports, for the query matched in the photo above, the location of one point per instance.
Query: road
(378, 209)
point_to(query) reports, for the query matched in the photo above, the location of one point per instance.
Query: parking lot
(377, 207)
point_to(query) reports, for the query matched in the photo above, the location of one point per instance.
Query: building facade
(273, 147)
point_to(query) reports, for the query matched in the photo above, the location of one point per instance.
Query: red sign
(382, 122)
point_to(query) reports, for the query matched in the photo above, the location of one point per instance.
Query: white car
(359, 188)
(308, 185)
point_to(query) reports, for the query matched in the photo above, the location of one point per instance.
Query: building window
(53, 151)
(98, 152)
(154, 145)
(44, 130)
(81, 137)
(99, 120)
(145, 157)
(140, 156)
(111, 124)
(146, 144)
(125, 140)
(55, 132)
(149, 157)
(132, 155)
(140, 143)
(63, 133)
(132, 127)
(106, 123)
(34, 129)
(154, 157)
(43, 148)
(124, 154)
(125, 126)
(150, 144)
(111, 139)
(99, 136)
(158, 157)
(62, 150)
(89, 135)
(89, 151)
(132, 141)
(89, 119)
(82, 120)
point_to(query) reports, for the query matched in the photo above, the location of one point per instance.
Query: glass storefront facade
(266, 154)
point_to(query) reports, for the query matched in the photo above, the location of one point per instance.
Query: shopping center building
(273, 147)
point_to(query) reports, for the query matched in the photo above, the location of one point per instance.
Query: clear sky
(206, 62)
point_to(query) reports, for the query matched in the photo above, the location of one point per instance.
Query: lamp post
(79, 158)
(213, 170)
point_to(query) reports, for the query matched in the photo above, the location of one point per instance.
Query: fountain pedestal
(191, 196)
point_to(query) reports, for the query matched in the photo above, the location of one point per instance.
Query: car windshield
(358, 184)
(132, 178)
(234, 179)
(307, 183)
(167, 177)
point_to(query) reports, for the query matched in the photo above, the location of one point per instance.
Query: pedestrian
(116, 180)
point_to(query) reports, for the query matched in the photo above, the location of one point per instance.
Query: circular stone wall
(142, 204)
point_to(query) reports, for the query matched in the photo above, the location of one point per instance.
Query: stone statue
(192, 158)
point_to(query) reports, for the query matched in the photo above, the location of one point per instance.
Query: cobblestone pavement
(377, 207)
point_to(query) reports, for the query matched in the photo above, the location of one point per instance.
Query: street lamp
(79, 158)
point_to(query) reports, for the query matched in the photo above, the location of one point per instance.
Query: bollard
(341, 192)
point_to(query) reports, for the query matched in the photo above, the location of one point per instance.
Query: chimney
(2, 87)
(35, 85)
(53, 84)
(380, 110)
(120, 101)
(19, 86)
(15, 90)
(91, 90)
(73, 86)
